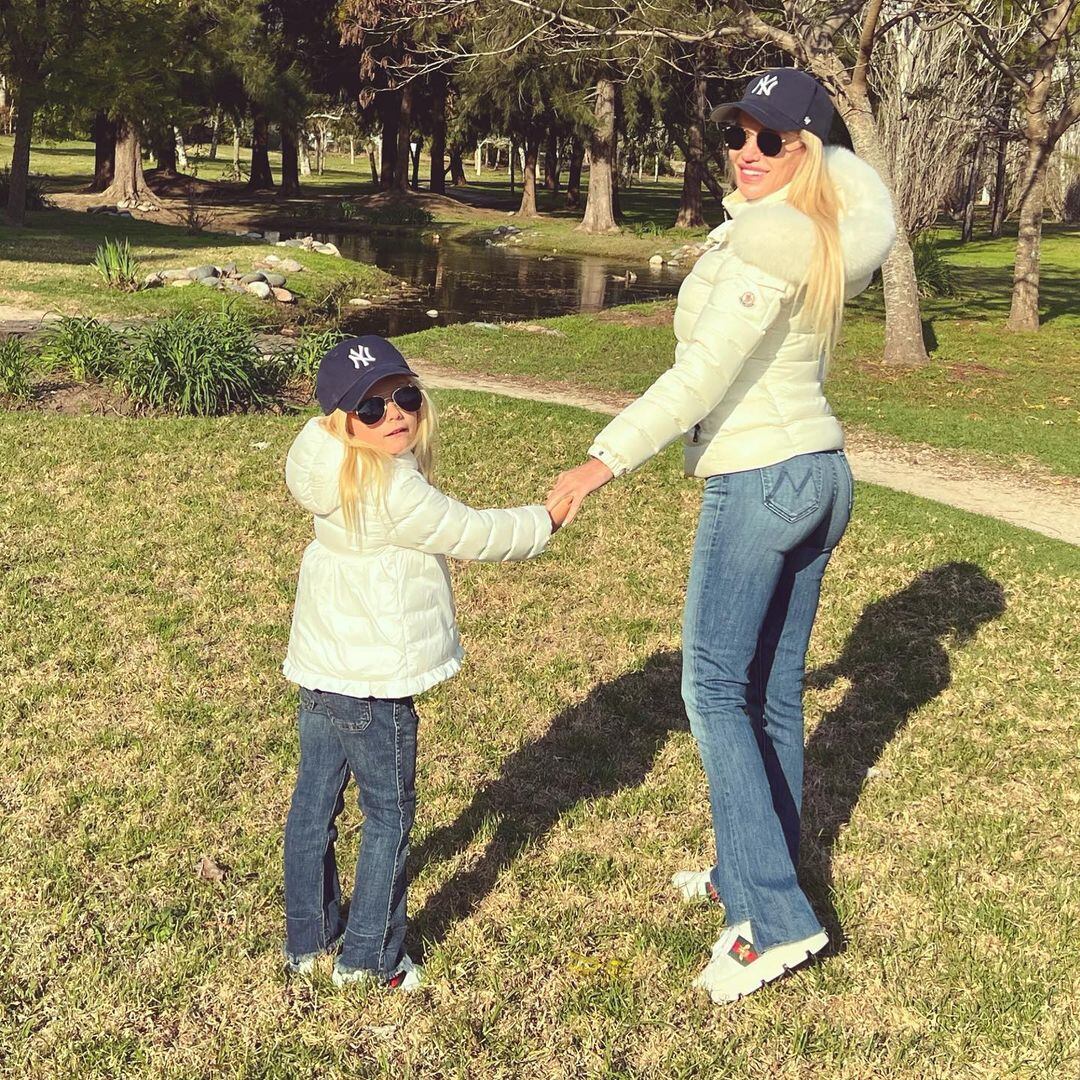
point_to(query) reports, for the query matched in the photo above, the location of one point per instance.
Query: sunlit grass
(144, 609)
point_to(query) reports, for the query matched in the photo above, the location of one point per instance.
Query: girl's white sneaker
(695, 885)
(737, 968)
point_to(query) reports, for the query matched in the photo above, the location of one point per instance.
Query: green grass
(144, 607)
(1015, 397)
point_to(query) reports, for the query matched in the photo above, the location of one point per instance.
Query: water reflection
(476, 283)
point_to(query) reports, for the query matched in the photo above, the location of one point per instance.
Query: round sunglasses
(768, 142)
(371, 410)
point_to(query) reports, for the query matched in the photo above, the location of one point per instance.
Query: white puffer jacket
(746, 386)
(375, 618)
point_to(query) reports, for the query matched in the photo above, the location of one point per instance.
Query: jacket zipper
(697, 432)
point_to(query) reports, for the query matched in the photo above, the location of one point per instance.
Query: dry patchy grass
(149, 568)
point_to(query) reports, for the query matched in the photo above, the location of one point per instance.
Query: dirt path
(1041, 502)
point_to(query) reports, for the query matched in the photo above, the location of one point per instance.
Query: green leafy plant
(649, 228)
(85, 348)
(35, 193)
(115, 263)
(310, 348)
(394, 213)
(200, 365)
(16, 368)
(934, 274)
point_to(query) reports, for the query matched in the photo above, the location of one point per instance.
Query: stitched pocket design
(792, 489)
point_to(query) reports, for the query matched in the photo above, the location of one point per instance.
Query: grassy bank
(1013, 396)
(143, 615)
(47, 266)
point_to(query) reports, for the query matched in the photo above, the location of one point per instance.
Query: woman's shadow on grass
(895, 661)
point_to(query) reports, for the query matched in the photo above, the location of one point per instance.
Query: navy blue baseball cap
(784, 99)
(350, 369)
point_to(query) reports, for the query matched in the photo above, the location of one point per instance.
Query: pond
(470, 282)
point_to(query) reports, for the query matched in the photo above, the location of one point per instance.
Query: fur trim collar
(780, 240)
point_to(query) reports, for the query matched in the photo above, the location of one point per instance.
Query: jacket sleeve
(423, 518)
(312, 468)
(743, 303)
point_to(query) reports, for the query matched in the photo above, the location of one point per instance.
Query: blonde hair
(812, 193)
(365, 471)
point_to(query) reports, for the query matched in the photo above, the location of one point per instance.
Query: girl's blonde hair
(812, 193)
(365, 471)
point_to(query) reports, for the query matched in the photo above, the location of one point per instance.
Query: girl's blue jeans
(763, 541)
(375, 740)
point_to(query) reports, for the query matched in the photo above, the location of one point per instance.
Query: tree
(1034, 46)
(600, 203)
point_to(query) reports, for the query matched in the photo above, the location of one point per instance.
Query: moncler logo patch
(765, 85)
(748, 299)
(361, 355)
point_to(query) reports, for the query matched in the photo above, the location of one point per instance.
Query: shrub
(394, 213)
(304, 357)
(35, 193)
(85, 348)
(934, 274)
(649, 228)
(200, 365)
(115, 263)
(16, 367)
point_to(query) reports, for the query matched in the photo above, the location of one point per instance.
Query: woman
(755, 323)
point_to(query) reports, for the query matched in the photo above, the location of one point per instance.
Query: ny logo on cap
(765, 85)
(361, 355)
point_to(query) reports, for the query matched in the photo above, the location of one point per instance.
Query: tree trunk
(261, 178)
(510, 164)
(573, 178)
(215, 128)
(389, 105)
(25, 107)
(457, 168)
(372, 163)
(1024, 310)
(599, 208)
(165, 152)
(181, 152)
(438, 135)
(551, 161)
(290, 160)
(416, 162)
(690, 215)
(997, 216)
(528, 176)
(129, 188)
(968, 227)
(104, 135)
(904, 345)
(404, 134)
(303, 158)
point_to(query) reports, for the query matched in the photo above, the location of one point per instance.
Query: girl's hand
(574, 485)
(558, 514)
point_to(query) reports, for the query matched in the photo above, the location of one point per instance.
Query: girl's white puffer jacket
(746, 386)
(375, 617)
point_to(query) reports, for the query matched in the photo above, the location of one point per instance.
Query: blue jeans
(763, 541)
(375, 740)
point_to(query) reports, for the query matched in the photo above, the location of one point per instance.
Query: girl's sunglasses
(768, 142)
(371, 410)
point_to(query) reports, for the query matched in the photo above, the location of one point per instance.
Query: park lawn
(1014, 397)
(46, 265)
(150, 568)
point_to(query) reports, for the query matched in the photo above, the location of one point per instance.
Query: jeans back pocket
(792, 488)
(346, 713)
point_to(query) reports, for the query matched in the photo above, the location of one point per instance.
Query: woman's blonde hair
(365, 471)
(812, 193)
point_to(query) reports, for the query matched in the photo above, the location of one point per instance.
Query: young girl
(373, 625)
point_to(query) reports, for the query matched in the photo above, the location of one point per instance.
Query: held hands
(570, 489)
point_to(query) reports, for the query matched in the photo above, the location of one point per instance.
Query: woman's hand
(573, 485)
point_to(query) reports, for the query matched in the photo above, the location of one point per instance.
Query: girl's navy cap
(350, 369)
(784, 99)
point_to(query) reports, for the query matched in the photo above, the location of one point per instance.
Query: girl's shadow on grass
(602, 745)
(895, 661)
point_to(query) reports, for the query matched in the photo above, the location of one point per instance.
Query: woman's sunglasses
(371, 410)
(768, 142)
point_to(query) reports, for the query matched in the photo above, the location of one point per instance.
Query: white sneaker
(695, 885)
(737, 968)
(407, 976)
